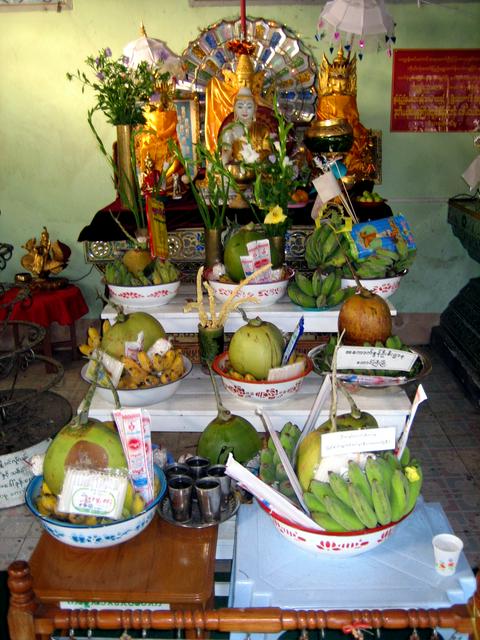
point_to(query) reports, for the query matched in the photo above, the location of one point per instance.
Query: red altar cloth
(65, 306)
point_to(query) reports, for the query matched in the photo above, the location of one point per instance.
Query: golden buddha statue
(337, 100)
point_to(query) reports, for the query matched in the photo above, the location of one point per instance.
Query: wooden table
(165, 567)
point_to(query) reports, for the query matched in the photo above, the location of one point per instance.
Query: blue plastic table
(268, 570)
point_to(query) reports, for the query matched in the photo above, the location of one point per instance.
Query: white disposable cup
(446, 549)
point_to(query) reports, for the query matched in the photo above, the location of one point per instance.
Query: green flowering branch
(121, 91)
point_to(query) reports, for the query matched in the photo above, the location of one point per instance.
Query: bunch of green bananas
(271, 468)
(383, 262)
(319, 290)
(383, 492)
(117, 273)
(164, 272)
(156, 272)
(325, 247)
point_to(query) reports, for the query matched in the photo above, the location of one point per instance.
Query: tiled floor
(444, 437)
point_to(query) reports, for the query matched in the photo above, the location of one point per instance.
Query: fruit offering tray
(229, 509)
(373, 379)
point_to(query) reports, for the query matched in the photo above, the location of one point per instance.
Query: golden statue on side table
(337, 100)
(45, 258)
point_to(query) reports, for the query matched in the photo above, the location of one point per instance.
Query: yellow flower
(412, 474)
(275, 215)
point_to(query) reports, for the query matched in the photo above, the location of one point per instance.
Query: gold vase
(125, 178)
(213, 246)
(277, 250)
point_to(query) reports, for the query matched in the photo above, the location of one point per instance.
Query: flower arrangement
(121, 91)
(276, 178)
(210, 194)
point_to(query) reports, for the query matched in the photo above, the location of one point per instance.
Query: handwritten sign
(435, 90)
(15, 474)
(358, 441)
(375, 358)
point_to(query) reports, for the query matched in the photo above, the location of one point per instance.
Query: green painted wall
(52, 174)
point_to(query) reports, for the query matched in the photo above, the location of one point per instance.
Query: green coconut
(228, 433)
(235, 247)
(309, 454)
(83, 442)
(126, 329)
(256, 348)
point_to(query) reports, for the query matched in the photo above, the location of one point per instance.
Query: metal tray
(196, 522)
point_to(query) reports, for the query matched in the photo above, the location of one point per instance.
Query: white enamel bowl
(143, 297)
(259, 391)
(384, 287)
(266, 293)
(145, 396)
(351, 543)
(96, 536)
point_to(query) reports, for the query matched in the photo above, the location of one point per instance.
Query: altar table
(284, 314)
(193, 406)
(270, 571)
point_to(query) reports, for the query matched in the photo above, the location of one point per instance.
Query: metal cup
(198, 466)
(209, 496)
(219, 471)
(180, 494)
(177, 469)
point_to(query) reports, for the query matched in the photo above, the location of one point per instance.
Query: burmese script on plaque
(435, 90)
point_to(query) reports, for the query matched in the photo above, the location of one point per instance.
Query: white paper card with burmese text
(375, 358)
(358, 441)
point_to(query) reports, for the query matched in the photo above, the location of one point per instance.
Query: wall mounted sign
(30, 5)
(435, 90)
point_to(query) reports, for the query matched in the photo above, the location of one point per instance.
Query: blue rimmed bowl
(95, 536)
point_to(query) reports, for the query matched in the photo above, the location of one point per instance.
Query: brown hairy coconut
(365, 317)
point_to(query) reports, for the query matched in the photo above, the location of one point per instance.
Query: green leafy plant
(211, 197)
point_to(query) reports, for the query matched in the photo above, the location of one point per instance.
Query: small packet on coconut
(258, 256)
(134, 429)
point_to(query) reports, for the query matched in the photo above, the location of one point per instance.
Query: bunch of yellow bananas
(93, 339)
(149, 371)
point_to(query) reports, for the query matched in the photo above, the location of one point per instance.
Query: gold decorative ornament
(45, 257)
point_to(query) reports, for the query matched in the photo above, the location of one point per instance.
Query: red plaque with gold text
(435, 90)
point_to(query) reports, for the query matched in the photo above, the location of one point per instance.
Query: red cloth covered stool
(44, 307)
